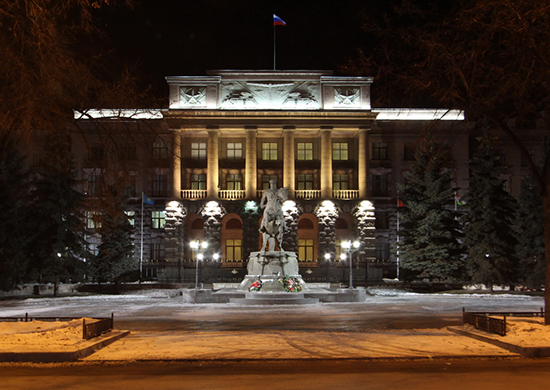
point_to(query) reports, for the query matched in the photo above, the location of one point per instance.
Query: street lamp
(198, 249)
(350, 247)
(327, 259)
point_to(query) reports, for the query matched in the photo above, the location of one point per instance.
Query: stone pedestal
(270, 267)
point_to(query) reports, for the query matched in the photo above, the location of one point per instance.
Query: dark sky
(188, 37)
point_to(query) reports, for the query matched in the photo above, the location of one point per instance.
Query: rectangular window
(233, 250)
(156, 252)
(304, 182)
(160, 151)
(304, 151)
(158, 219)
(266, 179)
(305, 249)
(408, 152)
(198, 182)
(340, 151)
(234, 150)
(93, 220)
(269, 151)
(340, 182)
(382, 251)
(94, 184)
(160, 185)
(198, 150)
(93, 244)
(379, 151)
(380, 185)
(234, 182)
(131, 215)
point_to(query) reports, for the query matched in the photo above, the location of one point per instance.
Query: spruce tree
(430, 249)
(530, 249)
(14, 236)
(58, 245)
(116, 251)
(489, 234)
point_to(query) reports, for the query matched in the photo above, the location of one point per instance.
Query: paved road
(314, 375)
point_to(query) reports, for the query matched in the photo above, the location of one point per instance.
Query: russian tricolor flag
(277, 21)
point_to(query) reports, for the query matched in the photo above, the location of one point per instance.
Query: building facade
(206, 160)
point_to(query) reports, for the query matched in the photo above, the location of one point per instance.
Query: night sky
(183, 37)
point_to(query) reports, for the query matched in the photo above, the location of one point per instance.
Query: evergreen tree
(530, 249)
(58, 246)
(430, 249)
(489, 233)
(13, 209)
(116, 251)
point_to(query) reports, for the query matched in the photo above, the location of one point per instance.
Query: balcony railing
(307, 194)
(193, 194)
(231, 194)
(345, 194)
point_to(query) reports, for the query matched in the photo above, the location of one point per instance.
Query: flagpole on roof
(141, 241)
(274, 47)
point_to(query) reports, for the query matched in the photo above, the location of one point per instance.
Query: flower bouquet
(256, 286)
(291, 284)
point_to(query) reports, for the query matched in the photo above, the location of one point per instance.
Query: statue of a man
(273, 221)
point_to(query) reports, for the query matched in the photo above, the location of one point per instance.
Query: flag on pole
(459, 201)
(147, 199)
(400, 203)
(277, 21)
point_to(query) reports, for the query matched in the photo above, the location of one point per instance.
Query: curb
(530, 352)
(59, 357)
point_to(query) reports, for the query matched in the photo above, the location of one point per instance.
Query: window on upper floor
(198, 150)
(160, 185)
(95, 184)
(160, 150)
(93, 219)
(340, 182)
(234, 150)
(304, 151)
(304, 182)
(198, 182)
(234, 181)
(380, 185)
(340, 151)
(158, 219)
(269, 151)
(379, 151)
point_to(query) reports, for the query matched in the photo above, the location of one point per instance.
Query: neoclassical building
(206, 159)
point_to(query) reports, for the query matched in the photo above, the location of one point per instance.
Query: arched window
(234, 223)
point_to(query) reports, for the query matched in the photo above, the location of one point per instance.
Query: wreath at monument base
(291, 283)
(256, 286)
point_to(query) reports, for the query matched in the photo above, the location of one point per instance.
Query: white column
(251, 163)
(176, 164)
(212, 164)
(362, 163)
(288, 160)
(326, 163)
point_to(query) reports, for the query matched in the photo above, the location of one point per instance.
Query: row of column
(251, 175)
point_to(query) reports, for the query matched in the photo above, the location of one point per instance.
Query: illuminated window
(304, 151)
(131, 215)
(380, 185)
(160, 185)
(304, 182)
(234, 182)
(235, 150)
(266, 179)
(340, 182)
(93, 220)
(233, 249)
(379, 151)
(198, 150)
(269, 151)
(305, 249)
(158, 219)
(339, 151)
(160, 151)
(198, 182)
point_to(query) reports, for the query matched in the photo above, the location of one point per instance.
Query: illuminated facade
(207, 158)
